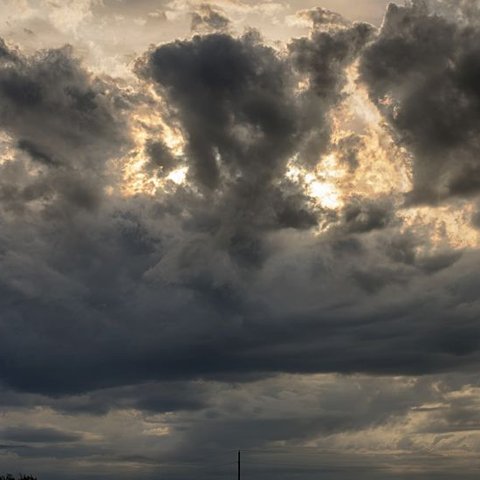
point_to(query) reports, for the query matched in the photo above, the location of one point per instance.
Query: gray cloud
(181, 315)
(50, 92)
(207, 18)
(224, 87)
(420, 415)
(363, 216)
(161, 159)
(323, 18)
(37, 435)
(323, 58)
(425, 67)
(233, 100)
(206, 282)
(236, 103)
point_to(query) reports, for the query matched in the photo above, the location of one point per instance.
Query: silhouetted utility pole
(238, 476)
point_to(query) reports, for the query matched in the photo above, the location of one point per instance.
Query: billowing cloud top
(229, 213)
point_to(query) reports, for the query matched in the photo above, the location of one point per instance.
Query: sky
(240, 225)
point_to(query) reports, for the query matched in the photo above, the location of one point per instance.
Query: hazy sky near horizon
(240, 224)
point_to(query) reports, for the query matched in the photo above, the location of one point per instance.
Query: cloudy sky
(241, 225)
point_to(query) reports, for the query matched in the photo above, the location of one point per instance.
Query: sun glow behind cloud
(7, 148)
(137, 178)
(383, 169)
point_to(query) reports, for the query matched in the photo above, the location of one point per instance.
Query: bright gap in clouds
(325, 193)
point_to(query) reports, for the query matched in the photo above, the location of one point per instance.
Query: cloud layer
(243, 244)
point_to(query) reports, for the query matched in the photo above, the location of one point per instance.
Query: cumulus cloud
(51, 93)
(422, 71)
(225, 276)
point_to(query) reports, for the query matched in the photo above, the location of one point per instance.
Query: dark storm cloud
(156, 332)
(63, 119)
(37, 435)
(232, 98)
(323, 58)
(148, 397)
(220, 280)
(243, 120)
(235, 99)
(207, 340)
(325, 55)
(153, 398)
(423, 72)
